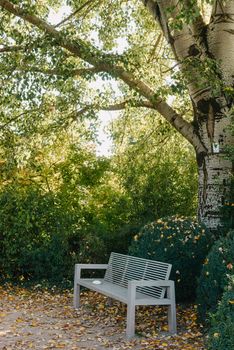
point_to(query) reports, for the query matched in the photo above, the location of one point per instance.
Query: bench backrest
(123, 268)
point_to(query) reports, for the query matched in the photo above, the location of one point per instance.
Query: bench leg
(130, 330)
(76, 295)
(172, 311)
(172, 319)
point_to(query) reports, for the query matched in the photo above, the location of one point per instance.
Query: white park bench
(133, 281)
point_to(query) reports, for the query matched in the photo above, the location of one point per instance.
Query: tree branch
(157, 42)
(106, 63)
(128, 103)
(113, 107)
(156, 10)
(13, 119)
(74, 13)
(70, 73)
(11, 48)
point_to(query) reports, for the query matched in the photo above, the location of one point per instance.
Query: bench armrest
(168, 284)
(79, 267)
(91, 266)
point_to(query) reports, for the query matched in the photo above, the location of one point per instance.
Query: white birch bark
(215, 171)
(211, 111)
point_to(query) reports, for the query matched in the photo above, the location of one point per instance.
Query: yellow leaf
(60, 346)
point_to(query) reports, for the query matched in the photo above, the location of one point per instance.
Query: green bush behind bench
(179, 241)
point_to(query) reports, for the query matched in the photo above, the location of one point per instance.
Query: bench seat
(120, 293)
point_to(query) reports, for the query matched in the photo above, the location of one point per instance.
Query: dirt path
(44, 320)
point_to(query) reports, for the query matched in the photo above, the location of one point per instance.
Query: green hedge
(42, 235)
(213, 279)
(32, 240)
(221, 333)
(179, 241)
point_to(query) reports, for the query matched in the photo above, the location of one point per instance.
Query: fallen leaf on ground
(39, 319)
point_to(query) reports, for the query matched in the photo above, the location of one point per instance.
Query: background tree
(156, 167)
(197, 54)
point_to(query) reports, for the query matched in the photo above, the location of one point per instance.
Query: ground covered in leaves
(45, 319)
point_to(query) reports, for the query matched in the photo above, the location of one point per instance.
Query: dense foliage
(58, 72)
(76, 211)
(32, 235)
(41, 238)
(61, 203)
(221, 335)
(214, 275)
(160, 179)
(179, 241)
(63, 62)
(57, 208)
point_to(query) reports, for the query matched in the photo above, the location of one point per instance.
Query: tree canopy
(131, 56)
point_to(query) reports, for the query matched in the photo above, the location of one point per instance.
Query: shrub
(32, 240)
(213, 279)
(42, 234)
(221, 335)
(179, 241)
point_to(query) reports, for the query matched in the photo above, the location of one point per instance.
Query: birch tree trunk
(196, 46)
(213, 115)
(215, 170)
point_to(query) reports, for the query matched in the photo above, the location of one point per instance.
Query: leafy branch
(105, 62)
(11, 48)
(74, 13)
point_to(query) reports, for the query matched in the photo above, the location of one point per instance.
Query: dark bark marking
(209, 111)
(221, 139)
(205, 178)
(210, 123)
(203, 106)
(200, 158)
(231, 31)
(158, 15)
(204, 39)
(193, 50)
(168, 33)
(222, 18)
(215, 105)
(195, 126)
